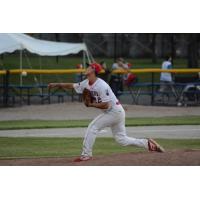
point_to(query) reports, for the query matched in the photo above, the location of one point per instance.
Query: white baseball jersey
(114, 117)
(100, 91)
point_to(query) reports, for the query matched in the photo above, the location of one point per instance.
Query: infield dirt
(170, 158)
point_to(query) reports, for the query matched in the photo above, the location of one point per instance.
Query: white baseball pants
(115, 119)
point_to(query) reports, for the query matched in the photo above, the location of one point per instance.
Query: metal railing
(75, 71)
(7, 73)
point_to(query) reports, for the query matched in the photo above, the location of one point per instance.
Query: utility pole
(173, 47)
(57, 40)
(153, 45)
(115, 47)
(193, 50)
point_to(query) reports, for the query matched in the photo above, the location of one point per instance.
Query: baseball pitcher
(97, 93)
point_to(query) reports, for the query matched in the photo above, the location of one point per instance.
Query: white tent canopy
(10, 42)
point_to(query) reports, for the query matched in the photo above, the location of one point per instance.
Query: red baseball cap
(97, 67)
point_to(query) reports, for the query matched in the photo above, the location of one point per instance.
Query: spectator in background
(116, 80)
(130, 78)
(120, 64)
(166, 77)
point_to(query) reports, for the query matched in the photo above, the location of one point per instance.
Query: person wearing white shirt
(166, 77)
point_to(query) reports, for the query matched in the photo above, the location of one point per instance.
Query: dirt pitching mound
(170, 158)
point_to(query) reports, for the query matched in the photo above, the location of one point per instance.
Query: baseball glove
(87, 97)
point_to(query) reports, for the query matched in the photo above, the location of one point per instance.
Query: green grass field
(61, 147)
(153, 121)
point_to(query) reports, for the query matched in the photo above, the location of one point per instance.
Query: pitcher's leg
(90, 137)
(100, 122)
(119, 132)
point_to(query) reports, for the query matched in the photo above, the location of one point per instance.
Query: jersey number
(97, 99)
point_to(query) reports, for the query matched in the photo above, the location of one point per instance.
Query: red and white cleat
(82, 158)
(154, 146)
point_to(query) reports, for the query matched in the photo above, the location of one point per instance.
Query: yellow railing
(75, 71)
(158, 71)
(2, 72)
